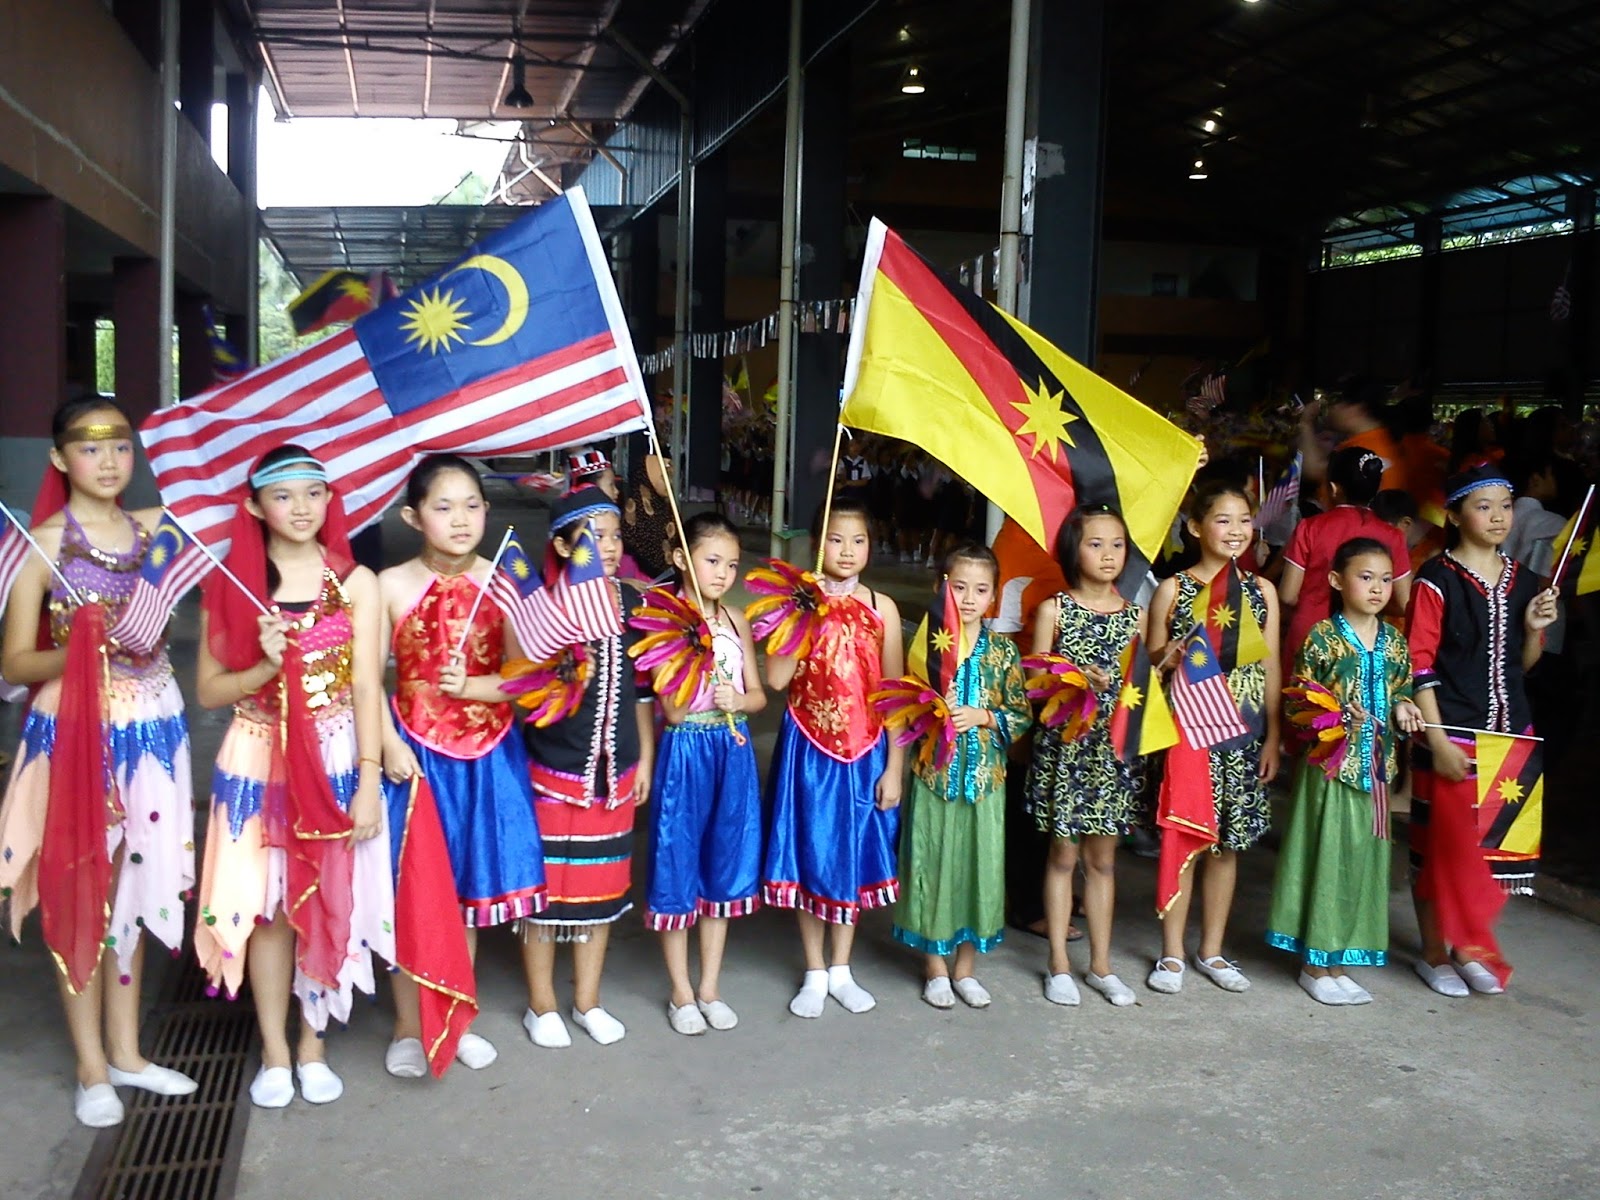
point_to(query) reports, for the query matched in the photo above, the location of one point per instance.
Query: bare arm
(367, 685)
(1158, 628)
(1044, 626)
(644, 716)
(1289, 584)
(21, 662)
(890, 783)
(218, 687)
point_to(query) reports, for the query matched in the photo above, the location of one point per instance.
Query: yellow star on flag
(581, 556)
(432, 319)
(1224, 617)
(1047, 420)
(1199, 656)
(1510, 791)
(357, 289)
(520, 568)
(943, 641)
(1130, 696)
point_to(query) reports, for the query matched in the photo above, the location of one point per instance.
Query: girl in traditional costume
(453, 724)
(835, 781)
(296, 884)
(1476, 626)
(97, 825)
(1239, 769)
(706, 826)
(953, 831)
(1081, 793)
(589, 771)
(1351, 692)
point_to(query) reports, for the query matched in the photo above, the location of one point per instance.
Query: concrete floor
(1205, 1093)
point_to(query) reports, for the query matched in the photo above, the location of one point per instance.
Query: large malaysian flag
(519, 347)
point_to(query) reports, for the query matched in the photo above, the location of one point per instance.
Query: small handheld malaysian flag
(542, 629)
(1204, 708)
(13, 553)
(1282, 499)
(172, 565)
(585, 593)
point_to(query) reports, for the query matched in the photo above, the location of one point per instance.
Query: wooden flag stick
(217, 563)
(1519, 737)
(54, 570)
(827, 499)
(477, 601)
(1577, 528)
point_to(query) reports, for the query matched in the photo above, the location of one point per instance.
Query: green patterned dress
(1243, 814)
(1081, 787)
(1330, 901)
(953, 823)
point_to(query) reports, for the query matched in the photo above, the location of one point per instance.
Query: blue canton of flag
(172, 565)
(1201, 702)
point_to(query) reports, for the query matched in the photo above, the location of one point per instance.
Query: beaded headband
(104, 432)
(1473, 485)
(288, 469)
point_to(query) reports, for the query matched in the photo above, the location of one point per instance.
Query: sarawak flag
(1582, 568)
(935, 652)
(1186, 815)
(519, 347)
(1141, 723)
(1236, 638)
(1037, 433)
(338, 296)
(1510, 800)
(430, 942)
(171, 566)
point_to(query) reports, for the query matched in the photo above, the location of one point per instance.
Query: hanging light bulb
(519, 96)
(1198, 171)
(911, 81)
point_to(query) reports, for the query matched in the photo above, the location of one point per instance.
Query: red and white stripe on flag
(1205, 711)
(542, 629)
(592, 605)
(326, 399)
(150, 606)
(13, 553)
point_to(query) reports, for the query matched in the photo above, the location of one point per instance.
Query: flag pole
(48, 561)
(1577, 528)
(1516, 737)
(217, 563)
(827, 497)
(477, 601)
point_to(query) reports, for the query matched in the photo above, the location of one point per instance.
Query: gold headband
(106, 432)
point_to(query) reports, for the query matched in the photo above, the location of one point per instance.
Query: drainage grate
(186, 1147)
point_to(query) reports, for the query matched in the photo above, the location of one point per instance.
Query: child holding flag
(102, 712)
(451, 724)
(1476, 627)
(1214, 791)
(834, 784)
(952, 844)
(1084, 790)
(589, 771)
(1351, 692)
(296, 883)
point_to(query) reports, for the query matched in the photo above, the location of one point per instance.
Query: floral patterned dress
(1081, 787)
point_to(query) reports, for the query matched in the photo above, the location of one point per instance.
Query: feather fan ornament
(550, 690)
(1318, 720)
(676, 647)
(789, 608)
(1069, 702)
(914, 710)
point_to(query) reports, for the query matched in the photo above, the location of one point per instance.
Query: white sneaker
(1227, 976)
(686, 1019)
(318, 1083)
(600, 1025)
(97, 1106)
(474, 1052)
(937, 992)
(547, 1030)
(1354, 993)
(1164, 978)
(1113, 989)
(406, 1059)
(273, 1087)
(1061, 989)
(1324, 989)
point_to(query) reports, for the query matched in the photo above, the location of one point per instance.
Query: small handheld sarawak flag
(1235, 635)
(936, 646)
(1510, 800)
(1582, 567)
(172, 565)
(1031, 429)
(1141, 723)
(336, 296)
